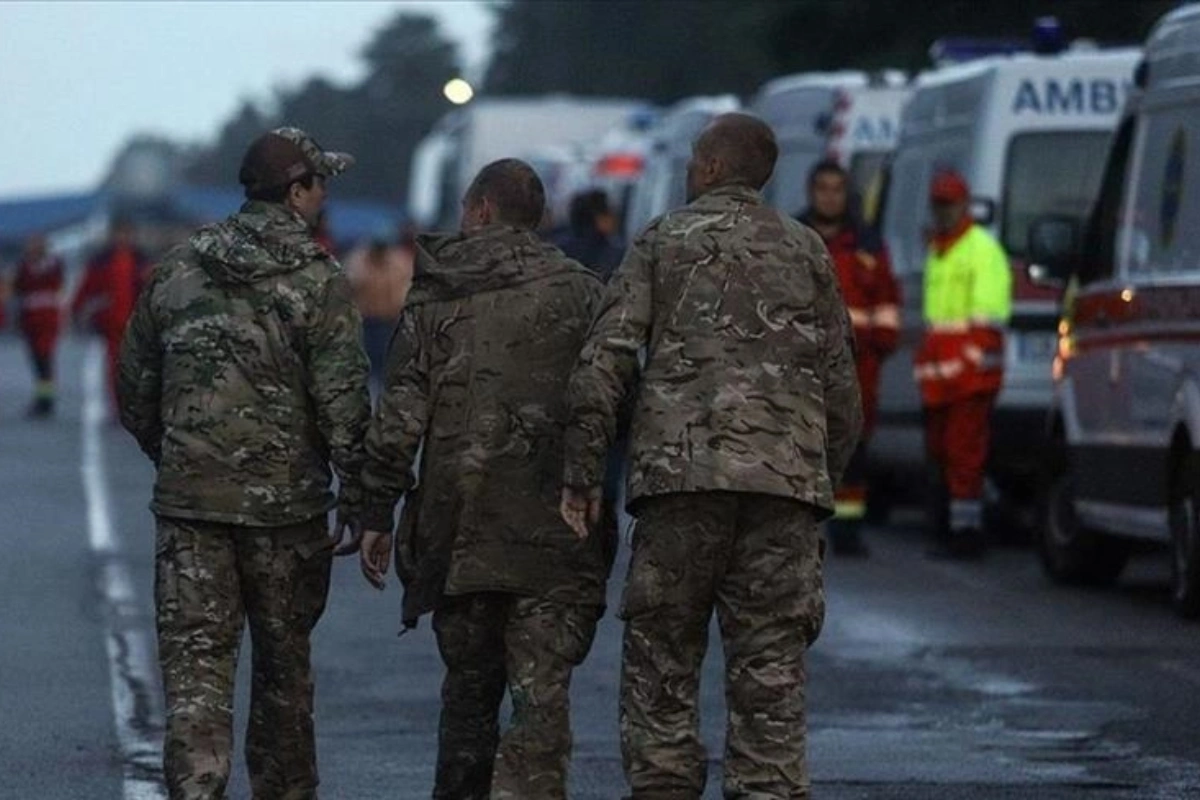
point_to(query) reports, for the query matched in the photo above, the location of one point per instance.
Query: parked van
(853, 117)
(1125, 466)
(663, 184)
(1028, 132)
(465, 140)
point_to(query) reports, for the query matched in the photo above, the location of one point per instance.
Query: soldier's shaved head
(743, 146)
(508, 192)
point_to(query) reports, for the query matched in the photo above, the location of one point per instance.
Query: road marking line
(137, 708)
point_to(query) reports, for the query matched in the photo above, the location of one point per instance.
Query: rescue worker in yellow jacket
(960, 364)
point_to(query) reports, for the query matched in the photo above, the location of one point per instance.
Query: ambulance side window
(1099, 257)
(1158, 235)
(1049, 173)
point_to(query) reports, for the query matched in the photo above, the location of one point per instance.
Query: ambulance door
(1086, 360)
(1046, 173)
(1158, 317)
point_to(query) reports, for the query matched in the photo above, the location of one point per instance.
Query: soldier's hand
(580, 509)
(349, 535)
(375, 556)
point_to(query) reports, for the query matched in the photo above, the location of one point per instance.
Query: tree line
(660, 50)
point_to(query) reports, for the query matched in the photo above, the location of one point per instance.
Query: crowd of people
(101, 302)
(506, 362)
(380, 272)
(507, 371)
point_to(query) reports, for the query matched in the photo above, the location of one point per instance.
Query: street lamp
(458, 91)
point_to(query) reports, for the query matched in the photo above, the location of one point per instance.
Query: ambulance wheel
(1185, 537)
(1072, 553)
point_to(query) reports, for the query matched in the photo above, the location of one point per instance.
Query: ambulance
(1029, 133)
(1124, 471)
(465, 140)
(663, 183)
(851, 117)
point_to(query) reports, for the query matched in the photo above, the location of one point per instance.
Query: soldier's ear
(715, 170)
(294, 191)
(487, 211)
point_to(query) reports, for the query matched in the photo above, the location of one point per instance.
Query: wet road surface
(931, 679)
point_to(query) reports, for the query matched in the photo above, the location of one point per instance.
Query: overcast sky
(77, 78)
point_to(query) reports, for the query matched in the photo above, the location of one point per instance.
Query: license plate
(1036, 345)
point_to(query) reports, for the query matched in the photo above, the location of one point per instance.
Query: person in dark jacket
(243, 379)
(477, 383)
(591, 239)
(872, 297)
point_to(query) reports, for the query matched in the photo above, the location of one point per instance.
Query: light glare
(458, 91)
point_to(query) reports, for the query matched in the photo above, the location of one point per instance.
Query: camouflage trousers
(757, 560)
(491, 642)
(210, 579)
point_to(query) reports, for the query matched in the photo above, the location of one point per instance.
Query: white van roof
(1173, 49)
(684, 120)
(1036, 92)
(709, 104)
(1021, 65)
(847, 79)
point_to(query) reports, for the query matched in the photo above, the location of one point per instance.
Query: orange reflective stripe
(948, 327)
(39, 300)
(939, 370)
(850, 509)
(860, 317)
(886, 317)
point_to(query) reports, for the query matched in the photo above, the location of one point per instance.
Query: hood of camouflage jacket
(262, 240)
(490, 258)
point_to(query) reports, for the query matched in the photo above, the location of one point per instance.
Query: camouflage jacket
(476, 381)
(749, 381)
(242, 375)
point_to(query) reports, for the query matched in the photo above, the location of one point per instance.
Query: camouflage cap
(283, 155)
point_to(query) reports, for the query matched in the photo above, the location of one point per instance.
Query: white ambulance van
(1125, 466)
(663, 183)
(1029, 133)
(853, 117)
(467, 139)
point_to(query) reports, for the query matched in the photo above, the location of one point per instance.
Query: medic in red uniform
(109, 289)
(872, 297)
(38, 287)
(960, 365)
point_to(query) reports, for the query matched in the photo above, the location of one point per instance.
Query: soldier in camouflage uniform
(478, 373)
(747, 414)
(242, 377)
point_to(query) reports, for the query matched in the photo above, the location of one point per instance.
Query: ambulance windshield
(1050, 173)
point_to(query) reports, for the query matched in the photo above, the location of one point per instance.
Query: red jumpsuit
(107, 294)
(38, 288)
(872, 297)
(960, 365)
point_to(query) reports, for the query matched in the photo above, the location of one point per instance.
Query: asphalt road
(931, 680)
